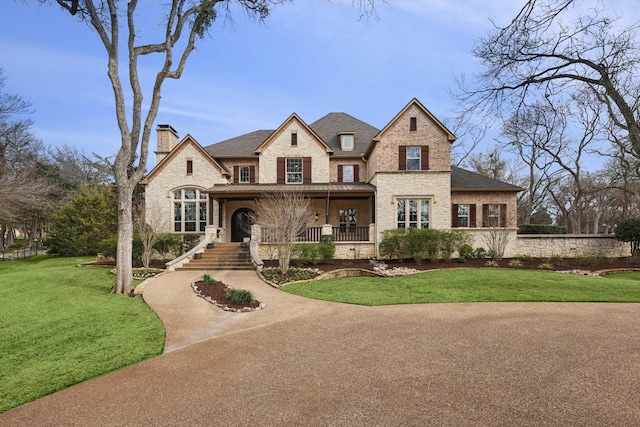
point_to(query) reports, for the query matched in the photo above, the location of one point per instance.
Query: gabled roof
(464, 180)
(293, 117)
(187, 140)
(243, 145)
(450, 136)
(330, 126)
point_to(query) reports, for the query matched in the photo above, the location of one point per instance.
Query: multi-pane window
(493, 214)
(347, 218)
(413, 213)
(463, 215)
(413, 158)
(294, 171)
(245, 174)
(189, 211)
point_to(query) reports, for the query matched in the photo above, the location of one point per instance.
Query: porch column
(327, 230)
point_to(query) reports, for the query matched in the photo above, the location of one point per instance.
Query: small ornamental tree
(629, 231)
(284, 216)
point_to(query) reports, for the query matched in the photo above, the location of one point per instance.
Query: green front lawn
(472, 285)
(59, 326)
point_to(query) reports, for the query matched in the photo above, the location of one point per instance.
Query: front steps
(223, 256)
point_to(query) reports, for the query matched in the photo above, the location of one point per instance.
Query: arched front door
(241, 223)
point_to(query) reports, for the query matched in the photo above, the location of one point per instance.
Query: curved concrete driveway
(302, 362)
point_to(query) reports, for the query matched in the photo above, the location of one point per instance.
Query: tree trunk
(124, 269)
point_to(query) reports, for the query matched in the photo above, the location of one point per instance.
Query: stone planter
(209, 245)
(197, 256)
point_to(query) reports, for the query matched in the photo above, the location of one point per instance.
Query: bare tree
(23, 194)
(283, 216)
(149, 235)
(184, 22)
(539, 57)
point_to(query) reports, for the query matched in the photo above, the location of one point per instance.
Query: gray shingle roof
(243, 145)
(329, 127)
(462, 180)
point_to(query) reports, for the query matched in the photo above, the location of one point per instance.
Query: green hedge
(541, 229)
(421, 244)
(315, 253)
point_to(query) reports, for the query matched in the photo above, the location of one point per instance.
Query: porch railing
(351, 234)
(313, 234)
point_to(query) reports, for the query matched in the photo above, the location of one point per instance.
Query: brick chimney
(167, 140)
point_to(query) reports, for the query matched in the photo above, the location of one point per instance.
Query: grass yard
(59, 326)
(473, 285)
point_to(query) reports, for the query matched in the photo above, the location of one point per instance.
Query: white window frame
(412, 150)
(244, 173)
(493, 215)
(291, 170)
(413, 212)
(191, 202)
(462, 216)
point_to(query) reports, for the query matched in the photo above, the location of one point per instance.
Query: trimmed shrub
(481, 253)
(466, 251)
(394, 244)
(541, 229)
(169, 245)
(421, 244)
(241, 296)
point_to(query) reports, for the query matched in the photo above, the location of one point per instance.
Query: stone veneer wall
(571, 245)
(412, 184)
(281, 146)
(173, 176)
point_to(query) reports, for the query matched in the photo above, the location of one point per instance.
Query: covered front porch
(345, 211)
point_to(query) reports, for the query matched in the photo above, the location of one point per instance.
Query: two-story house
(362, 180)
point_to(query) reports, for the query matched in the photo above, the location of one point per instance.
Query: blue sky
(311, 57)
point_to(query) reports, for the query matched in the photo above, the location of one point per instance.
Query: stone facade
(172, 175)
(380, 186)
(279, 145)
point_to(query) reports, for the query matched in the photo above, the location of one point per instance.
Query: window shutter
(454, 216)
(356, 173)
(485, 215)
(236, 174)
(340, 176)
(503, 215)
(252, 174)
(472, 216)
(306, 169)
(424, 158)
(280, 170)
(402, 157)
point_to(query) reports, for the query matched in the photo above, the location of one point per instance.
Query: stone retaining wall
(570, 245)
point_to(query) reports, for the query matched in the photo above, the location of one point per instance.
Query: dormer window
(346, 141)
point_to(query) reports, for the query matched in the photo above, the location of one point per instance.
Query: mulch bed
(590, 264)
(217, 293)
